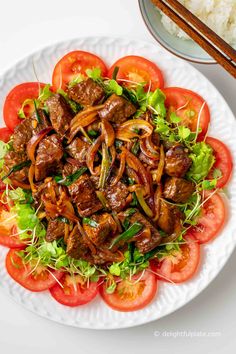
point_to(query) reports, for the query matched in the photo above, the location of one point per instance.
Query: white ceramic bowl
(186, 49)
(214, 255)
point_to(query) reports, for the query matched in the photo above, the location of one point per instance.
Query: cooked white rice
(219, 15)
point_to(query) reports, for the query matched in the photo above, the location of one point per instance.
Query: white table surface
(208, 323)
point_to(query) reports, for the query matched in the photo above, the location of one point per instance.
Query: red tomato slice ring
(39, 280)
(74, 63)
(182, 267)
(212, 219)
(15, 99)
(8, 230)
(131, 295)
(224, 161)
(188, 105)
(5, 134)
(73, 293)
(135, 69)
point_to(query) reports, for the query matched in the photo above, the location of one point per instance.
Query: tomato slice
(181, 267)
(8, 227)
(74, 63)
(73, 293)
(5, 134)
(131, 295)
(211, 220)
(34, 280)
(138, 69)
(188, 105)
(15, 99)
(223, 162)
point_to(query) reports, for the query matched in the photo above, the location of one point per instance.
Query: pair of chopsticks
(214, 45)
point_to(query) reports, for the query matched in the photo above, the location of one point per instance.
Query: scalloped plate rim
(138, 320)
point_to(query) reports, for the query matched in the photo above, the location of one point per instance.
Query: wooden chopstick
(214, 45)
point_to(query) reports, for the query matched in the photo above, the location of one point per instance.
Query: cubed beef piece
(116, 196)
(166, 219)
(178, 189)
(170, 216)
(83, 195)
(12, 159)
(149, 237)
(95, 181)
(48, 157)
(100, 227)
(117, 109)
(60, 113)
(86, 93)
(76, 247)
(69, 169)
(27, 128)
(78, 150)
(55, 230)
(177, 161)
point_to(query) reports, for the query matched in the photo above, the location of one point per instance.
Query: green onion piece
(135, 147)
(150, 254)
(143, 204)
(63, 219)
(90, 222)
(128, 234)
(115, 72)
(104, 166)
(36, 112)
(17, 168)
(68, 180)
(102, 199)
(93, 133)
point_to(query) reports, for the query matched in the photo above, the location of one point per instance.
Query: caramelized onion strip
(128, 130)
(134, 163)
(108, 132)
(161, 165)
(121, 168)
(92, 151)
(34, 141)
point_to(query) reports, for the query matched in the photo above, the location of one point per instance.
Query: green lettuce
(202, 161)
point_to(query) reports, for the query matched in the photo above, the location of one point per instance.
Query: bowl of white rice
(219, 15)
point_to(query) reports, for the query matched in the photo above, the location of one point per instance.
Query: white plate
(214, 255)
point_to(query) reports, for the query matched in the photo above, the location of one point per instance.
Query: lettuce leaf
(202, 161)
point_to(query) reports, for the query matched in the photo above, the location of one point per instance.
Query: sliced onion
(113, 154)
(108, 132)
(121, 168)
(134, 163)
(142, 202)
(86, 239)
(157, 199)
(31, 178)
(149, 149)
(105, 166)
(54, 211)
(157, 174)
(125, 132)
(92, 151)
(80, 117)
(20, 184)
(34, 141)
(133, 175)
(80, 124)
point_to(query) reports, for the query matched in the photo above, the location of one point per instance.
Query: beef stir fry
(108, 182)
(102, 177)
